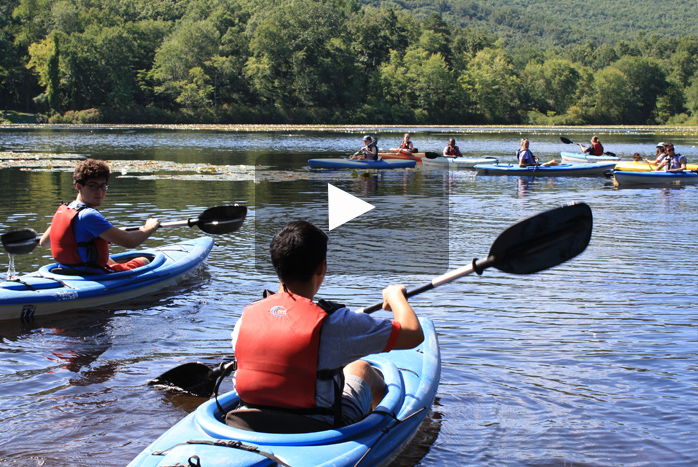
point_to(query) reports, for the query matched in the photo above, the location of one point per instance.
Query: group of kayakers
(293, 354)
(665, 159)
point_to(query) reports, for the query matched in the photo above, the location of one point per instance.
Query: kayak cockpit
(208, 418)
(273, 421)
(56, 271)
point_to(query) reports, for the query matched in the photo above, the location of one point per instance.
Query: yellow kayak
(632, 166)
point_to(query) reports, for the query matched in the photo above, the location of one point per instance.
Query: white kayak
(457, 163)
(579, 157)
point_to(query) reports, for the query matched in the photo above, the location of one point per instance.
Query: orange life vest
(64, 246)
(453, 151)
(597, 149)
(277, 352)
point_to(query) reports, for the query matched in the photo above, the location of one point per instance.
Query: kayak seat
(273, 421)
(73, 272)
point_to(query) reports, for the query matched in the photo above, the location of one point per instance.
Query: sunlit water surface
(592, 363)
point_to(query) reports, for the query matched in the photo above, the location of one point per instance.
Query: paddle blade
(20, 242)
(432, 155)
(565, 140)
(544, 240)
(221, 219)
(193, 378)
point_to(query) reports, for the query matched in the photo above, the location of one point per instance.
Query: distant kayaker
(526, 157)
(594, 149)
(637, 157)
(79, 235)
(672, 162)
(369, 152)
(303, 357)
(406, 146)
(451, 150)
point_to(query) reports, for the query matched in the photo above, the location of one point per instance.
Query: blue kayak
(50, 290)
(652, 178)
(363, 165)
(412, 377)
(546, 171)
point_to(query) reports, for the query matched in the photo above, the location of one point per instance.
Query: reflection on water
(591, 363)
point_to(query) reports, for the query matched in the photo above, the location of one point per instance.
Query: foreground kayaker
(673, 162)
(369, 151)
(594, 149)
(526, 157)
(79, 235)
(301, 357)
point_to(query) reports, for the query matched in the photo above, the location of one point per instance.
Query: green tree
(189, 47)
(494, 87)
(196, 92)
(299, 56)
(553, 85)
(423, 81)
(613, 95)
(692, 96)
(647, 81)
(53, 74)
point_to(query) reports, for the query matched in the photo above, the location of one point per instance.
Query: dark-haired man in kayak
(451, 150)
(79, 235)
(302, 357)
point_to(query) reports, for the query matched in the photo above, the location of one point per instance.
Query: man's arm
(131, 239)
(411, 334)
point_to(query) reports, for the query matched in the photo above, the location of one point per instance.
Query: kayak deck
(654, 178)
(412, 377)
(564, 169)
(358, 164)
(634, 166)
(458, 163)
(584, 158)
(47, 291)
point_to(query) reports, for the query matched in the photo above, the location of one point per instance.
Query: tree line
(323, 61)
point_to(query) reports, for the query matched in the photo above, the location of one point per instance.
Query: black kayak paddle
(532, 245)
(216, 220)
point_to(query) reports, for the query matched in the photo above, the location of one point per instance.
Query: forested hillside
(345, 61)
(561, 22)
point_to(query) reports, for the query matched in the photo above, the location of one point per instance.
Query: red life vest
(277, 352)
(64, 246)
(597, 149)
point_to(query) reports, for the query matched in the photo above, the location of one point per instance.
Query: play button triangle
(344, 207)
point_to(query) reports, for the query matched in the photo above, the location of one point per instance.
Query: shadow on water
(423, 440)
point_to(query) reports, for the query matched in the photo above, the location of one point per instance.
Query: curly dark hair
(90, 169)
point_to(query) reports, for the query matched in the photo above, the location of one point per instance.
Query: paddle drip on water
(11, 274)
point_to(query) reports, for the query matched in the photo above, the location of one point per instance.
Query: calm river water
(592, 363)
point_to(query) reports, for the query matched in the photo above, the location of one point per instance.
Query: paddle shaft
(478, 265)
(188, 223)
